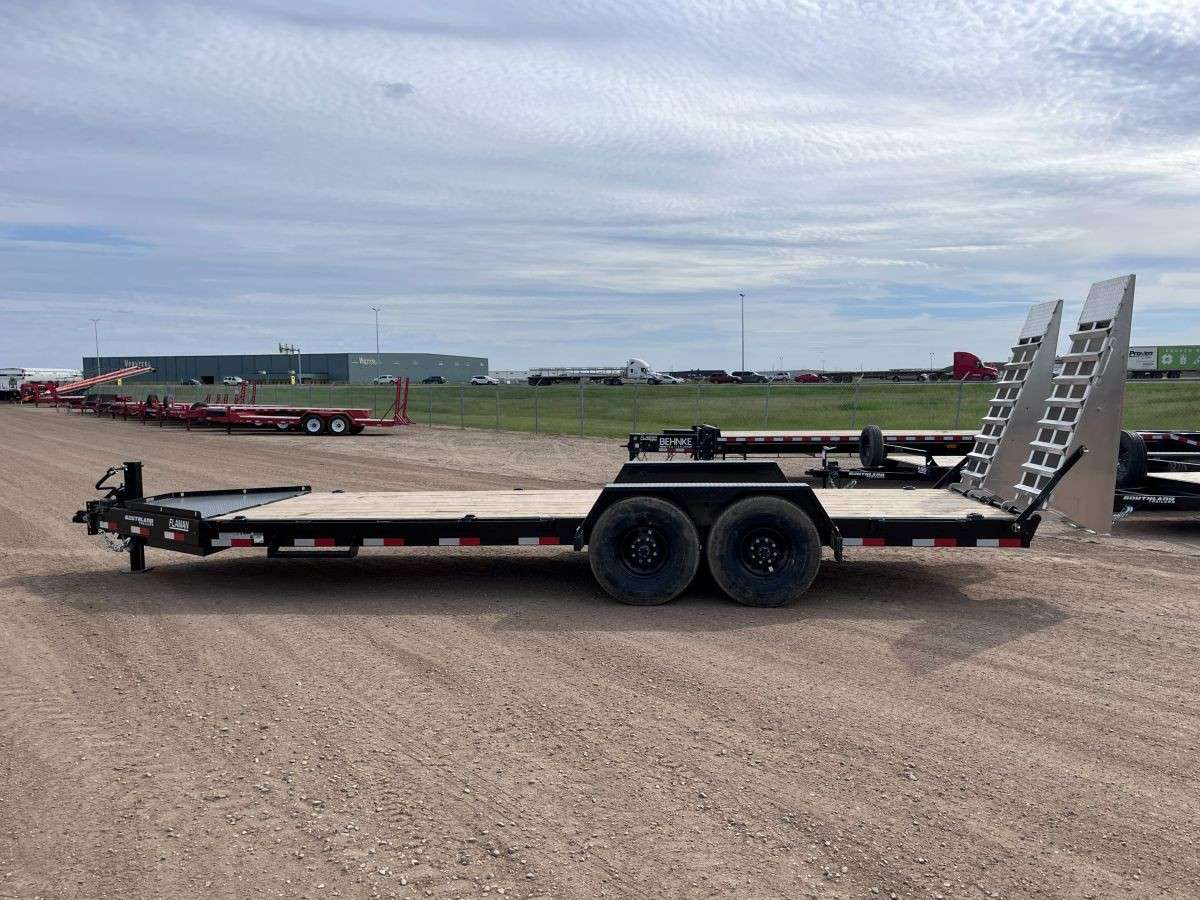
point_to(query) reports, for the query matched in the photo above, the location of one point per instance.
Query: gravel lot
(485, 722)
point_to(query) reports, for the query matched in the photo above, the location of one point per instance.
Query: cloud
(590, 181)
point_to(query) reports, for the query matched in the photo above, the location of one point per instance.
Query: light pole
(376, 308)
(96, 332)
(742, 297)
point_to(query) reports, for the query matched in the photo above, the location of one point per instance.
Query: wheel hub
(764, 551)
(644, 551)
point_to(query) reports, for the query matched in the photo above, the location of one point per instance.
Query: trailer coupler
(129, 489)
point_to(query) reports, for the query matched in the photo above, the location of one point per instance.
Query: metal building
(281, 368)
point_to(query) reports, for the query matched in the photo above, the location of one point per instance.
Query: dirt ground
(485, 722)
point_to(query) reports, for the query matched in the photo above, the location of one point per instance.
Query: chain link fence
(614, 411)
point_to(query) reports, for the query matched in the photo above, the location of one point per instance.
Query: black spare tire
(1131, 460)
(871, 449)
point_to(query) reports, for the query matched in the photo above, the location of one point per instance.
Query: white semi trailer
(1163, 361)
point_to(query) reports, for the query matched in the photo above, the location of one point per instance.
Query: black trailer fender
(709, 489)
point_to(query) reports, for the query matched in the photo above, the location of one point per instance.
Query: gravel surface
(485, 722)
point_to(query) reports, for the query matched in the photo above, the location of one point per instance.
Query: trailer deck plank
(917, 504)
(837, 432)
(454, 506)
(450, 506)
(920, 459)
(1183, 477)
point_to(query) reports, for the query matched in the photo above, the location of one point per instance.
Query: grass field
(603, 411)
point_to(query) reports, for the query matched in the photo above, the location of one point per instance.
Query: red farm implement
(72, 393)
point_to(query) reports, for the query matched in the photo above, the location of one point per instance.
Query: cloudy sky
(578, 182)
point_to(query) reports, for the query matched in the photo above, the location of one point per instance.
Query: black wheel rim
(764, 551)
(644, 550)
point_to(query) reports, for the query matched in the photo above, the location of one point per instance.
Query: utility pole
(376, 308)
(742, 297)
(96, 332)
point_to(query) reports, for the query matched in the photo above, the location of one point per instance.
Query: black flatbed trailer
(645, 531)
(1161, 492)
(703, 442)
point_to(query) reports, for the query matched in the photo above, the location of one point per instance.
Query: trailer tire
(312, 424)
(283, 426)
(1131, 460)
(338, 425)
(644, 551)
(871, 449)
(357, 429)
(764, 551)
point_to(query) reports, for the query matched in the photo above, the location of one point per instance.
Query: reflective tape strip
(112, 526)
(932, 542)
(140, 531)
(536, 541)
(234, 539)
(458, 542)
(314, 542)
(175, 535)
(383, 542)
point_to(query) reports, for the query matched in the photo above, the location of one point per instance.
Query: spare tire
(1131, 460)
(871, 449)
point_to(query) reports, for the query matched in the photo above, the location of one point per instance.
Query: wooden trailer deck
(1192, 478)
(920, 459)
(914, 434)
(454, 506)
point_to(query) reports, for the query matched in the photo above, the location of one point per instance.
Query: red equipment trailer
(311, 420)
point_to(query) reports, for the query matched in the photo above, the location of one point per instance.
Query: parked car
(750, 377)
(484, 379)
(193, 381)
(778, 377)
(434, 379)
(810, 378)
(664, 378)
(384, 379)
(233, 380)
(723, 378)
